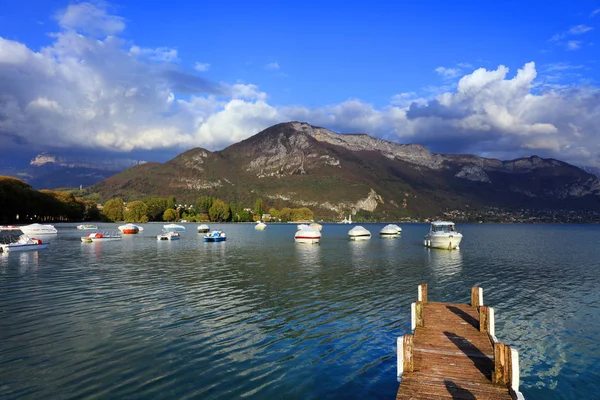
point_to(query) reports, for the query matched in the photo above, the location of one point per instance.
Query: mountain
(296, 164)
(51, 171)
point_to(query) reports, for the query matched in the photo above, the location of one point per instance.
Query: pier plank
(452, 358)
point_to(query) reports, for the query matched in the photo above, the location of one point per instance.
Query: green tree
(285, 214)
(170, 215)
(156, 207)
(258, 209)
(203, 204)
(136, 211)
(275, 213)
(220, 211)
(171, 202)
(113, 209)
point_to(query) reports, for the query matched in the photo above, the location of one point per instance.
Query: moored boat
(38, 229)
(130, 229)
(203, 228)
(260, 226)
(21, 243)
(307, 235)
(9, 228)
(215, 236)
(317, 226)
(168, 235)
(390, 230)
(174, 228)
(104, 236)
(301, 226)
(442, 235)
(87, 226)
(359, 233)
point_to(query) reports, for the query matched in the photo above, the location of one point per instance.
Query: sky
(151, 79)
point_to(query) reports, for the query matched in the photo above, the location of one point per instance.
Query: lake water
(261, 317)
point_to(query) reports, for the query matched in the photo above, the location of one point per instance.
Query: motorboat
(317, 226)
(38, 229)
(87, 226)
(359, 233)
(302, 226)
(168, 235)
(442, 235)
(130, 229)
(104, 236)
(174, 228)
(203, 228)
(390, 230)
(9, 228)
(260, 226)
(20, 243)
(307, 235)
(215, 236)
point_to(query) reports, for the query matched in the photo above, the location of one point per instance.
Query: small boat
(442, 235)
(174, 228)
(87, 226)
(203, 228)
(130, 229)
(317, 226)
(21, 243)
(260, 226)
(168, 235)
(9, 228)
(359, 233)
(38, 229)
(104, 236)
(302, 226)
(307, 235)
(390, 230)
(215, 236)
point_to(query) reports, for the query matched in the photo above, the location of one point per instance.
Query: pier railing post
(419, 314)
(499, 363)
(508, 370)
(476, 296)
(422, 297)
(408, 362)
(484, 314)
(400, 355)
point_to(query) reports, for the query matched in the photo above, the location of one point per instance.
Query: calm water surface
(261, 317)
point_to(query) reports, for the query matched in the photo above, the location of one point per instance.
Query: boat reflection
(444, 263)
(309, 255)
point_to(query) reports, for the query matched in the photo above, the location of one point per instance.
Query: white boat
(317, 226)
(174, 228)
(359, 233)
(168, 235)
(9, 228)
(442, 235)
(130, 229)
(87, 226)
(21, 243)
(260, 226)
(203, 228)
(307, 235)
(104, 236)
(38, 229)
(302, 226)
(215, 236)
(390, 230)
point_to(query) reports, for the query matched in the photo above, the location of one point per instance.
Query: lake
(259, 316)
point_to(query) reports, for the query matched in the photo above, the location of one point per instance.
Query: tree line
(20, 203)
(206, 209)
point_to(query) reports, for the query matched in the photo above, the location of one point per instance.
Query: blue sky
(158, 78)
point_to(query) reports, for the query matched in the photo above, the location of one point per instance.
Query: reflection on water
(308, 254)
(444, 263)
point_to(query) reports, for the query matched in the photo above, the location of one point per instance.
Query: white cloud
(201, 66)
(579, 29)
(108, 94)
(272, 65)
(448, 72)
(90, 19)
(574, 44)
(596, 11)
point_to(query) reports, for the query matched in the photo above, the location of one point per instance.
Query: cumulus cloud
(106, 93)
(87, 18)
(448, 72)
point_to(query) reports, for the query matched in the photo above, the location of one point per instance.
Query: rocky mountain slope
(298, 164)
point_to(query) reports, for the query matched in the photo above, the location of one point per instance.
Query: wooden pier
(454, 354)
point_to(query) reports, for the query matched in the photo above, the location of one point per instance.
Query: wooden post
(508, 366)
(423, 293)
(484, 319)
(408, 353)
(499, 363)
(419, 314)
(476, 296)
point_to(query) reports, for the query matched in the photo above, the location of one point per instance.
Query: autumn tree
(170, 215)
(113, 209)
(137, 211)
(219, 211)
